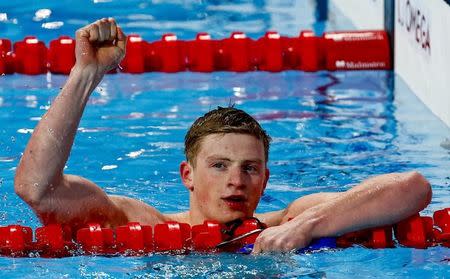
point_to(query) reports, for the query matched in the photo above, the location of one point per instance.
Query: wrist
(316, 221)
(87, 70)
(82, 81)
(88, 74)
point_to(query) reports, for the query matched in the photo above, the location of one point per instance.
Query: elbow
(417, 184)
(20, 186)
(25, 190)
(20, 183)
(22, 190)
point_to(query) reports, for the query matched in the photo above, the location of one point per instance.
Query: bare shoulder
(180, 217)
(138, 211)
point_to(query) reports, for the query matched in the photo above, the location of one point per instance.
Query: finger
(104, 30)
(257, 246)
(256, 249)
(121, 39)
(93, 32)
(82, 33)
(113, 28)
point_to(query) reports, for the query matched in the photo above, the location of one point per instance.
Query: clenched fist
(100, 45)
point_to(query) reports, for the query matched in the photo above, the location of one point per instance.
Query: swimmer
(225, 171)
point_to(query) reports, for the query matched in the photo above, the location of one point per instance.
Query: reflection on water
(330, 131)
(151, 19)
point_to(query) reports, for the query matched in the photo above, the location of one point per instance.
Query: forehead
(235, 145)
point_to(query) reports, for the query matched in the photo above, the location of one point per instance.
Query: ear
(186, 173)
(266, 179)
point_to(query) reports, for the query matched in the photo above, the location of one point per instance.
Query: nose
(237, 177)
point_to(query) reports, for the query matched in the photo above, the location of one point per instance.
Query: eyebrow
(221, 158)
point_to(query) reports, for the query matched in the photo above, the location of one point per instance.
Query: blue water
(330, 130)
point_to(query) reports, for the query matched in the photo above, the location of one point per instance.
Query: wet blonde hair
(223, 121)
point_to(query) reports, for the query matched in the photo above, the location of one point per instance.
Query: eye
(219, 165)
(251, 169)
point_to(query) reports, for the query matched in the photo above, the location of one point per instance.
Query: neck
(195, 217)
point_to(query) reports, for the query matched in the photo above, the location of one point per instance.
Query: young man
(225, 172)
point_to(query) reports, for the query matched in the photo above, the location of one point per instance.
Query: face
(228, 179)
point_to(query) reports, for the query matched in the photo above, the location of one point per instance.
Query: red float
(376, 238)
(207, 236)
(310, 52)
(134, 60)
(442, 221)
(96, 240)
(31, 56)
(249, 226)
(134, 238)
(171, 53)
(61, 55)
(5, 45)
(6, 57)
(236, 53)
(380, 237)
(201, 53)
(54, 241)
(270, 52)
(291, 53)
(15, 240)
(357, 50)
(412, 232)
(172, 236)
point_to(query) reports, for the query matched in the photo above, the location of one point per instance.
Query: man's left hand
(287, 237)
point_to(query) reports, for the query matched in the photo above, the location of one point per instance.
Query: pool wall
(421, 56)
(369, 15)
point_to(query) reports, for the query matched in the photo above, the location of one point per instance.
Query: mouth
(235, 202)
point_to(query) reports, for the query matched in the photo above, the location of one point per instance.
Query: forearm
(47, 151)
(378, 201)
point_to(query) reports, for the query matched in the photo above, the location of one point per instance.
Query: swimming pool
(330, 130)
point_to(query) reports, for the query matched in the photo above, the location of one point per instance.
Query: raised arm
(381, 200)
(39, 179)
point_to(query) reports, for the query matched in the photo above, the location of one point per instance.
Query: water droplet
(36, 185)
(13, 139)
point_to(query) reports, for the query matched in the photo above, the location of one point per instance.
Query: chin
(230, 216)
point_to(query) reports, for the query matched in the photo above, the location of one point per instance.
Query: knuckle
(104, 22)
(290, 245)
(258, 240)
(279, 243)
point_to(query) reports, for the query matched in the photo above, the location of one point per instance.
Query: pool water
(330, 130)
